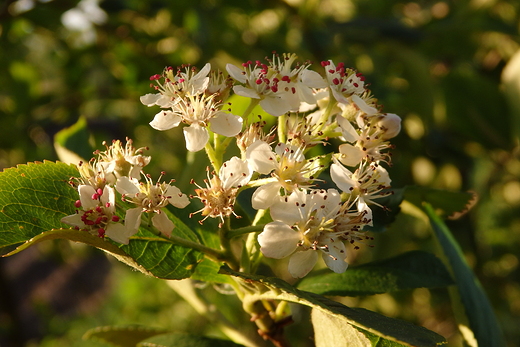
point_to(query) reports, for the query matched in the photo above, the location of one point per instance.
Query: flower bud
(390, 125)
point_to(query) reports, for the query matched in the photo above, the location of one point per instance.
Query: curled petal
(350, 155)
(247, 92)
(127, 186)
(133, 219)
(85, 196)
(165, 120)
(278, 240)
(313, 79)
(234, 173)
(150, 99)
(276, 106)
(363, 106)
(74, 220)
(119, 233)
(196, 137)
(342, 177)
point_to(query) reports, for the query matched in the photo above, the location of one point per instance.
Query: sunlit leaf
(478, 310)
(121, 336)
(185, 340)
(415, 269)
(266, 288)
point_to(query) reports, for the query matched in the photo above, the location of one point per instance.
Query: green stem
(326, 114)
(212, 156)
(211, 253)
(249, 109)
(245, 230)
(225, 244)
(282, 126)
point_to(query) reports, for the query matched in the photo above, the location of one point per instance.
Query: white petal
(236, 73)
(301, 263)
(278, 240)
(363, 207)
(127, 186)
(348, 131)
(265, 196)
(119, 233)
(163, 223)
(196, 137)
(312, 79)
(336, 257)
(234, 173)
(275, 106)
(85, 196)
(350, 155)
(261, 157)
(150, 99)
(392, 125)
(165, 120)
(133, 219)
(176, 197)
(108, 198)
(226, 124)
(247, 92)
(286, 209)
(74, 220)
(363, 106)
(342, 177)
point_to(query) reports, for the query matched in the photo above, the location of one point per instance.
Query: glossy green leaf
(478, 310)
(72, 143)
(33, 199)
(185, 340)
(121, 336)
(266, 288)
(415, 269)
(449, 204)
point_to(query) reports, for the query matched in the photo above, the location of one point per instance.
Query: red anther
(335, 81)
(325, 63)
(355, 85)
(77, 203)
(360, 76)
(181, 80)
(107, 204)
(89, 222)
(259, 81)
(155, 77)
(115, 219)
(169, 68)
(101, 232)
(99, 191)
(99, 220)
(293, 90)
(95, 196)
(340, 66)
(332, 71)
(274, 88)
(286, 79)
(276, 80)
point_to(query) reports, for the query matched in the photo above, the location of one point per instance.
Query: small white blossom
(304, 222)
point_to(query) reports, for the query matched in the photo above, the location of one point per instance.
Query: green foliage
(415, 269)
(121, 336)
(476, 306)
(265, 288)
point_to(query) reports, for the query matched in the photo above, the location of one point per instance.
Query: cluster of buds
(330, 109)
(118, 169)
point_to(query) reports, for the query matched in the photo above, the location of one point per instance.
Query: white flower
(303, 223)
(276, 96)
(118, 161)
(151, 198)
(199, 112)
(98, 214)
(370, 140)
(363, 186)
(287, 164)
(219, 196)
(177, 85)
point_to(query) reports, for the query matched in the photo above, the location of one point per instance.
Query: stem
(225, 244)
(326, 114)
(245, 230)
(282, 126)
(250, 107)
(212, 156)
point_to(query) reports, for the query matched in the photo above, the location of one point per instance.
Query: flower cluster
(118, 169)
(331, 108)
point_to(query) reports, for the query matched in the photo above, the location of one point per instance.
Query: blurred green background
(450, 69)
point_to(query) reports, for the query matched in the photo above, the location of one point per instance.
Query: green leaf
(162, 258)
(265, 288)
(447, 203)
(185, 340)
(33, 199)
(72, 143)
(330, 331)
(121, 336)
(415, 269)
(478, 310)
